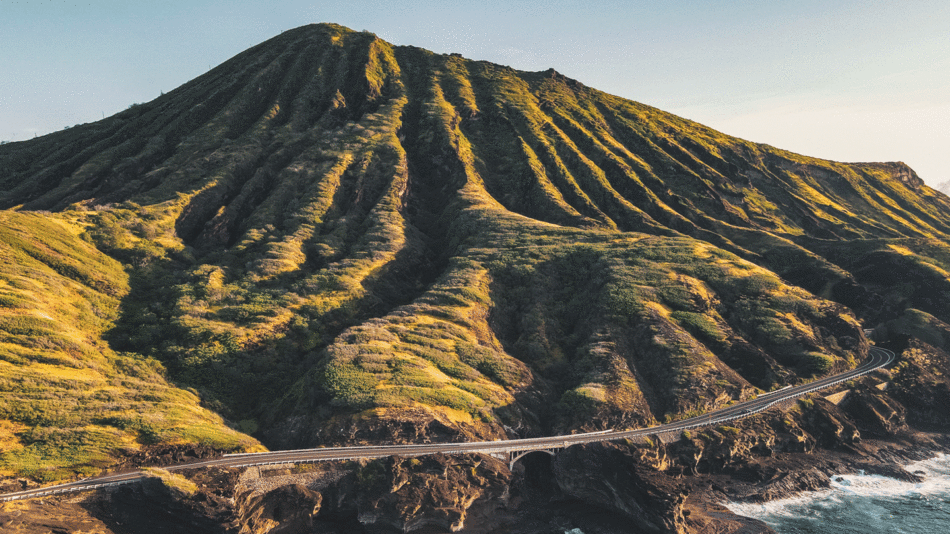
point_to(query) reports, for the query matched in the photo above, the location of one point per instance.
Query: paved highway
(877, 358)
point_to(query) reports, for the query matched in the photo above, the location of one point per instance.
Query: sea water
(865, 504)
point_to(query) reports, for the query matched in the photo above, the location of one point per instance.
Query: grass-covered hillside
(69, 404)
(331, 239)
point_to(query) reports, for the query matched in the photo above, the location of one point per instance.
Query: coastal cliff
(332, 240)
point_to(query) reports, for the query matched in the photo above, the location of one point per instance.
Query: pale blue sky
(846, 80)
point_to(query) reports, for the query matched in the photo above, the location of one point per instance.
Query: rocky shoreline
(799, 476)
(466, 494)
(679, 486)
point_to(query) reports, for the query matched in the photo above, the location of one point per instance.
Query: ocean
(865, 504)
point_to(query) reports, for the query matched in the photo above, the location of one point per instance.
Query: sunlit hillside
(331, 239)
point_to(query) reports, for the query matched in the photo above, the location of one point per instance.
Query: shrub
(496, 366)
(578, 404)
(700, 325)
(817, 363)
(347, 384)
(173, 481)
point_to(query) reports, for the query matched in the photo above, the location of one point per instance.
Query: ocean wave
(861, 499)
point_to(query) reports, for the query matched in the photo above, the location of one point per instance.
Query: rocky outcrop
(920, 385)
(829, 425)
(287, 509)
(435, 491)
(168, 454)
(607, 475)
(51, 515)
(890, 471)
(789, 436)
(874, 412)
(784, 483)
(393, 494)
(153, 507)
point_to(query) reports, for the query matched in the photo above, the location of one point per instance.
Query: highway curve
(877, 358)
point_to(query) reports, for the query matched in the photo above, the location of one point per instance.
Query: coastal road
(877, 358)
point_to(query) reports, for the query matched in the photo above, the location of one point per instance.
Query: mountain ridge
(331, 239)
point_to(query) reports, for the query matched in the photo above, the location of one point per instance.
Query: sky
(844, 80)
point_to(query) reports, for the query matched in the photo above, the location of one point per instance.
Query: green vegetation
(818, 363)
(173, 481)
(69, 405)
(329, 228)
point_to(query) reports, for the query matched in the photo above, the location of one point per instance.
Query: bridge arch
(515, 456)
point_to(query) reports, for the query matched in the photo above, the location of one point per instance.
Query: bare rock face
(906, 175)
(49, 515)
(874, 412)
(167, 454)
(790, 437)
(408, 494)
(654, 457)
(688, 453)
(607, 475)
(784, 484)
(829, 425)
(285, 510)
(151, 507)
(726, 448)
(920, 385)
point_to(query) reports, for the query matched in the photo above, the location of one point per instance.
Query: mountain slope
(334, 240)
(68, 403)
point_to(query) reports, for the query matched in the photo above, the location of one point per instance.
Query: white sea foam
(846, 490)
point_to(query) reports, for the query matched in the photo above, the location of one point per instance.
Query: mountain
(329, 239)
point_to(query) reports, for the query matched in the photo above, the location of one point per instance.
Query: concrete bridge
(508, 450)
